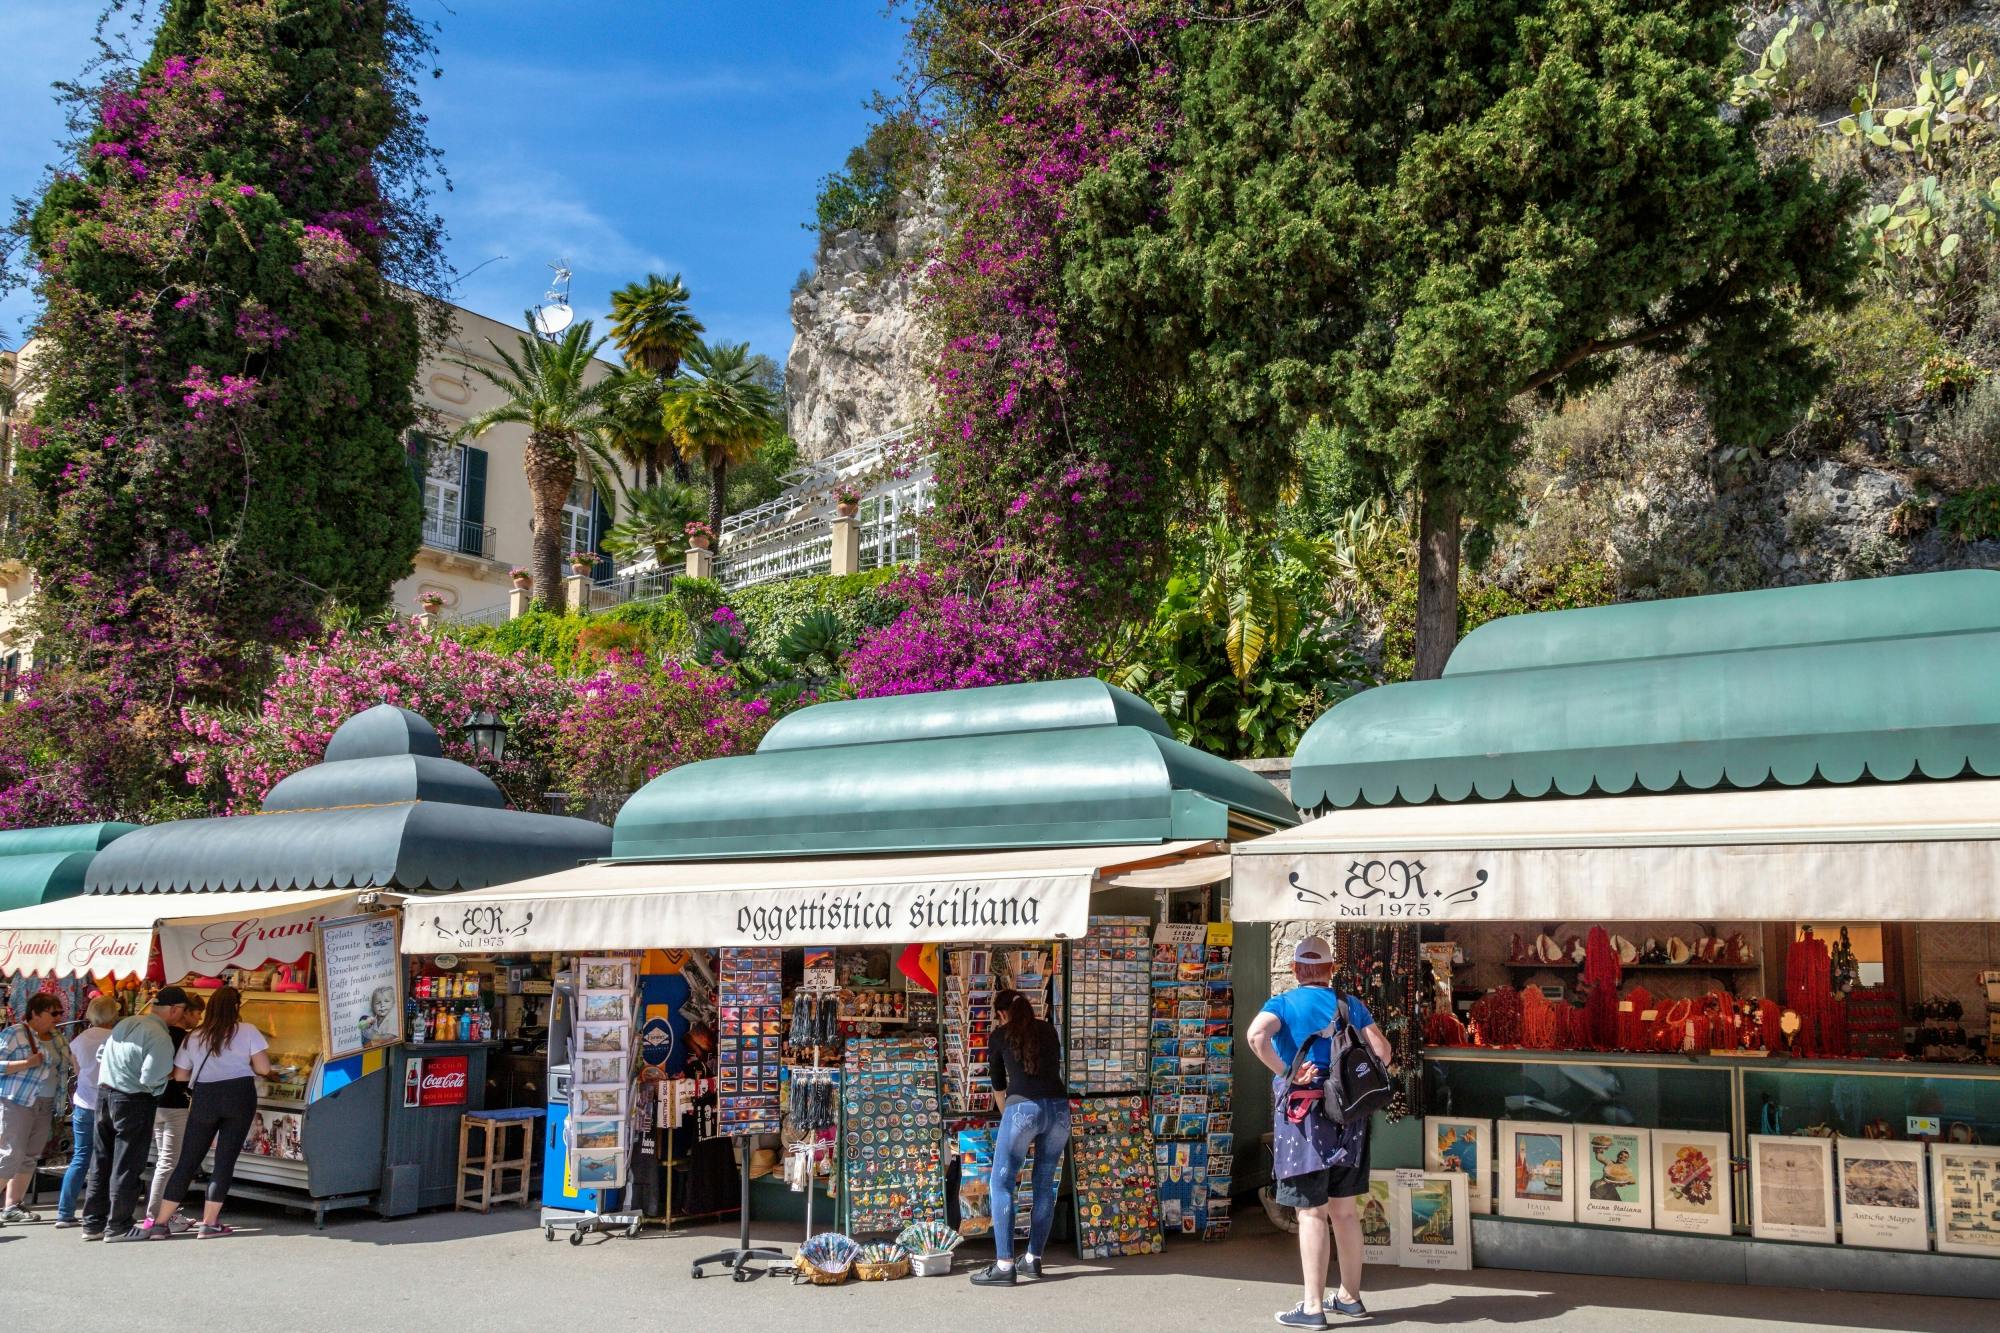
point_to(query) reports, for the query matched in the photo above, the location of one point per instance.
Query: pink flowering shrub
(634, 720)
(332, 678)
(949, 639)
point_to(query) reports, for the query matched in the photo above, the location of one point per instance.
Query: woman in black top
(1024, 1057)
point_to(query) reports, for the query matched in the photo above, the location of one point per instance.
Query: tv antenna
(554, 314)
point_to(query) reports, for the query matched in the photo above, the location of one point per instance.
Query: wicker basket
(819, 1277)
(895, 1268)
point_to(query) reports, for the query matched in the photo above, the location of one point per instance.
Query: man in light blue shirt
(132, 1072)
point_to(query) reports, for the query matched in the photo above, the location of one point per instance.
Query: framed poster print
(1617, 1166)
(1535, 1175)
(1882, 1194)
(1791, 1188)
(1437, 1221)
(1966, 1183)
(1691, 1182)
(1379, 1234)
(1452, 1143)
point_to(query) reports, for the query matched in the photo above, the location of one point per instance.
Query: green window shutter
(600, 524)
(472, 503)
(414, 449)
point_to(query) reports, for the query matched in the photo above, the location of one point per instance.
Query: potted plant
(699, 536)
(431, 602)
(846, 501)
(582, 562)
(523, 579)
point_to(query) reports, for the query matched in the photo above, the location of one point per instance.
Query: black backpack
(1357, 1084)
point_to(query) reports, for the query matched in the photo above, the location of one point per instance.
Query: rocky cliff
(856, 369)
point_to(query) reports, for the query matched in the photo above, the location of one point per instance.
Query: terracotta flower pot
(847, 508)
(701, 541)
(523, 582)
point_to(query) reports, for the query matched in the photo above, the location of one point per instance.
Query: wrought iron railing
(634, 585)
(489, 615)
(456, 534)
(793, 551)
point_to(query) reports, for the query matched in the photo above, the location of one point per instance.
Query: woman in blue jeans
(103, 1014)
(1025, 1059)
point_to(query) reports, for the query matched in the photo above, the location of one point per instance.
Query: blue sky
(631, 136)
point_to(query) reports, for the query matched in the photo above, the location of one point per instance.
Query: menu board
(361, 983)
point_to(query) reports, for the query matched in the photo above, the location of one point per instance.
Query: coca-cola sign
(443, 1081)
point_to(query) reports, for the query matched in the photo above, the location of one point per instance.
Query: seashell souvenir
(1628, 952)
(1677, 950)
(1576, 950)
(1547, 949)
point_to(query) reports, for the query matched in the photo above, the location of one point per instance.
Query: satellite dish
(553, 319)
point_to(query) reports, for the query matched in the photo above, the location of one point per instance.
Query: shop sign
(435, 1080)
(1039, 907)
(1384, 888)
(207, 946)
(74, 953)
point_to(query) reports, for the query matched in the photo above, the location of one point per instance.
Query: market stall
(44, 865)
(1707, 893)
(290, 905)
(849, 900)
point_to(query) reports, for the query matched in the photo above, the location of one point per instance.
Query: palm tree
(655, 523)
(638, 437)
(718, 412)
(651, 326)
(567, 419)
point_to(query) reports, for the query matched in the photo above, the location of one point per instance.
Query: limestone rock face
(859, 362)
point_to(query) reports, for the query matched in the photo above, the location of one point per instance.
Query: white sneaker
(180, 1224)
(19, 1214)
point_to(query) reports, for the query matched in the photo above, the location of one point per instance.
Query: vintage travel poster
(1437, 1223)
(1791, 1188)
(1616, 1162)
(1536, 1173)
(1692, 1188)
(1379, 1242)
(1966, 1183)
(1453, 1143)
(1882, 1194)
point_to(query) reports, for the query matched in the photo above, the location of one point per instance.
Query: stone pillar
(518, 601)
(576, 593)
(427, 618)
(700, 563)
(846, 544)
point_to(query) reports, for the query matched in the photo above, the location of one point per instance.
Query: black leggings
(219, 1113)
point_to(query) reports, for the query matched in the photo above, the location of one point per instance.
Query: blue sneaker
(1300, 1317)
(1353, 1309)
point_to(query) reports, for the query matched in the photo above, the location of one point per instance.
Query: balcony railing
(638, 585)
(449, 534)
(490, 615)
(790, 552)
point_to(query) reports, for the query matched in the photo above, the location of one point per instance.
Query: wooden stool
(507, 1143)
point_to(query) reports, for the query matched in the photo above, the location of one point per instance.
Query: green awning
(1951, 602)
(1061, 764)
(41, 877)
(61, 838)
(1786, 716)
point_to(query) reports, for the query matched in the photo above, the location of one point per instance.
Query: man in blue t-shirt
(1325, 1197)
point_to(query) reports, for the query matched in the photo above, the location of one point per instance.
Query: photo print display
(604, 1038)
(1536, 1175)
(600, 1170)
(600, 1071)
(613, 1007)
(1616, 1162)
(1882, 1189)
(598, 1134)
(1691, 1182)
(1379, 1244)
(1966, 1183)
(1437, 1222)
(1791, 1188)
(1453, 1143)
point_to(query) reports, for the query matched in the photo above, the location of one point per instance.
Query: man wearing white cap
(1328, 1165)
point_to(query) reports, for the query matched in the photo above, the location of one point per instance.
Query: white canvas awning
(1908, 851)
(111, 934)
(1039, 893)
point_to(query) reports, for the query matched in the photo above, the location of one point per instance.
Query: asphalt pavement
(496, 1273)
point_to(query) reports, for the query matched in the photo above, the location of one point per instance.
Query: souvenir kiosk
(840, 908)
(1710, 895)
(289, 906)
(44, 865)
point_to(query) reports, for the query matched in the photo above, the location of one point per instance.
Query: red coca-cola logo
(444, 1081)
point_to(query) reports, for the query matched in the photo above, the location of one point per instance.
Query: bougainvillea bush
(637, 718)
(238, 756)
(1013, 630)
(225, 368)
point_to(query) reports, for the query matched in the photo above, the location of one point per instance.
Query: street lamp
(488, 735)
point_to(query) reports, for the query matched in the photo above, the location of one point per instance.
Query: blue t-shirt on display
(1303, 1012)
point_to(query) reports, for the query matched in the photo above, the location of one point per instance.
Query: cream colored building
(476, 524)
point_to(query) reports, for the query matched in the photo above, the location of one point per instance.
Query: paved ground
(495, 1274)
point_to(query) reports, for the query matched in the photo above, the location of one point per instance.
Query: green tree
(1400, 217)
(652, 327)
(548, 389)
(637, 435)
(229, 340)
(655, 523)
(719, 413)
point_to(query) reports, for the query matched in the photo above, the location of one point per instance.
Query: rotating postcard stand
(744, 1253)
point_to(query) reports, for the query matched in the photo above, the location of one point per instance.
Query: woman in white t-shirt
(220, 1059)
(103, 1014)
